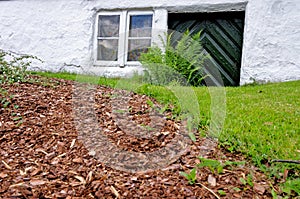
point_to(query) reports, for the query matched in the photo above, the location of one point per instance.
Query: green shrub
(181, 61)
(13, 67)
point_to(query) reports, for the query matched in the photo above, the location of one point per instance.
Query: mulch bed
(50, 149)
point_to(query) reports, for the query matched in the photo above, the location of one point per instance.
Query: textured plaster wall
(271, 41)
(61, 32)
(58, 32)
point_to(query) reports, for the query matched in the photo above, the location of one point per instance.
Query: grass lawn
(262, 121)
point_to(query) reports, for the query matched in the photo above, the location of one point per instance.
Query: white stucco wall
(58, 32)
(61, 32)
(271, 41)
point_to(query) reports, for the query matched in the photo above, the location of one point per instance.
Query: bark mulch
(51, 147)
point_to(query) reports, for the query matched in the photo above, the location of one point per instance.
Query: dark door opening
(222, 38)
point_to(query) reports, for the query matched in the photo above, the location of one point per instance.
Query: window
(122, 37)
(108, 37)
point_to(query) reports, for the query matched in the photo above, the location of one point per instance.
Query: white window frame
(123, 37)
(105, 62)
(130, 13)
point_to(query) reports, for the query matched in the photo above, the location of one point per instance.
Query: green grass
(261, 121)
(161, 94)
(80, 78)
(264, 121)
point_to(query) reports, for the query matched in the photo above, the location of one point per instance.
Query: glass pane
(136, 47)
(109, 25)
(140, 26)
(108, 49)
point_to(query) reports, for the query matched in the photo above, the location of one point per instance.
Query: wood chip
(176, 126)
(208, 189)
(92, 153)
(115, 192)
(55, 161)
(37, 182)
(81, 179)
(3, 175)
(35, 172)
(72, 143)
(22, 173)
(73, 172)
(42, 151)
(77, 160)
(62, 155)
(21, 184)
(212, 180)
(165, 133)
(28, 169)
(89, 177)
(259, 188)
(6, 165)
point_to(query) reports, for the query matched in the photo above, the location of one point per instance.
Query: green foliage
(243, 181)
(248, 180)
(191, 176)
(221, 192)
(274, 194)
(215, 165)
(236, 189)
(13, 67)
(192, 136)
(233, 163)
(181, 61)
(4, 99)
(292, 187)
(150, 103)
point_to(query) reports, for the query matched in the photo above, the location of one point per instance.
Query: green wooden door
(222, 38)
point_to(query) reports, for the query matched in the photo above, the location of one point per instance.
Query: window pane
(136, 47)
(140, 25)
(108, 49)
(109, 25)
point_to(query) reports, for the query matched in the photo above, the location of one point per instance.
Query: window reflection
(109, 25)
(136, 47)
(108, 49)
(140, 25)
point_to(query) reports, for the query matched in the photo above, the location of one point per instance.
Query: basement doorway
(222, 38)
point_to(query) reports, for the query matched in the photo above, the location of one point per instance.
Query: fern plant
(181, 61)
